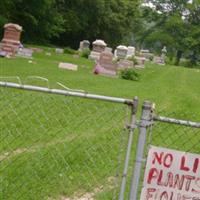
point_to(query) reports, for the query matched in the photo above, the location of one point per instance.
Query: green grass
(53, 146)
(171, 88)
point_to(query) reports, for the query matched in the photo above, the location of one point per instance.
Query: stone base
(94, 55)
(98, 69)
(122, 64)
(10, 48)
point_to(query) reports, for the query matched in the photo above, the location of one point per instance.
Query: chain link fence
(60, 147)
(168, 134)
(71, 145)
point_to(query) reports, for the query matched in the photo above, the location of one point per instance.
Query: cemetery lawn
(173, 89)
(45, 134)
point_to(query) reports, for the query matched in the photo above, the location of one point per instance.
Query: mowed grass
(53, 146)
(171, 88)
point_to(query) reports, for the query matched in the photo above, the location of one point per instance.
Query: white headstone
(121, 51)
(98, 47)
(24, 52)
(130, 52)
(68, 66)
(59, 50)
(108, 49)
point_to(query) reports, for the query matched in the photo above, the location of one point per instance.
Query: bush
(133, 59)
(129, 74)
(85, 53)
(151, 58)
(68, 50)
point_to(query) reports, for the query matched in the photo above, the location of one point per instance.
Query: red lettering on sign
(166, 160)
(157, 157)
(164, 196)
(188, 182)
(153, 173)
(196, 164)
(149, 191)
(178, 182)
(197, 188)
(183, 167)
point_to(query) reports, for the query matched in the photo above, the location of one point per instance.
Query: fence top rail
(177, 121)
(66, 93)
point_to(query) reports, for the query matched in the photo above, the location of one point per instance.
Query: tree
(112, 21)
(40, 19)
(177, 26)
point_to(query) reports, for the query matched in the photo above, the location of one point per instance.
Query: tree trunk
(178, 57)
(193, 59)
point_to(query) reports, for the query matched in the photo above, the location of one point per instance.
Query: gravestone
(140, 62)
(106, 59)
(98, 69)
(85, 44)
(36, 50)
(3, 53)
(98, 47)
(130, 52)
(163, 55)
(146, 53)
(121, 52)
(48, 53)
(25, 53)
(59, 51)
(105, 65)
(108, 49)
(158, 60)
(68, 66)
(123, 63)
(11, 38)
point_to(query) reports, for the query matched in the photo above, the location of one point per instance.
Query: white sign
(171, 175)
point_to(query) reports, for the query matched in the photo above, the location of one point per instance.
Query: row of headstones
(107, 62)
(99, 46)
(121, 52)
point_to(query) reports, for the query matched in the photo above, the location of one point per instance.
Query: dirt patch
(86, 196)
(8, 155)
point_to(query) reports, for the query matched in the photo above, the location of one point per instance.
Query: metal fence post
(145, 121)
(131, 127)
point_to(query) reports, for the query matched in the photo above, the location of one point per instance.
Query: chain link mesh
(171, 136)
(56, 147)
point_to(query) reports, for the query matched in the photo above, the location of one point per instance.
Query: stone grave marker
(59, 51)
(164, 53)
(98, 47)
(36, 50)
(68, 66)
(105, 65)
(48, 53)
(140, 62)
(121, 52)
(3, 53)
(11, 38)
(108, 49)
(146, 53)
(25, 53)
(85, 44)
(158, 60)
(130, 52)
(123, 63)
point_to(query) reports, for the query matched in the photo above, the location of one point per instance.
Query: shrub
(135, 62)
(68, 50)
(85, 53)
(151, 58)
(129, 74)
